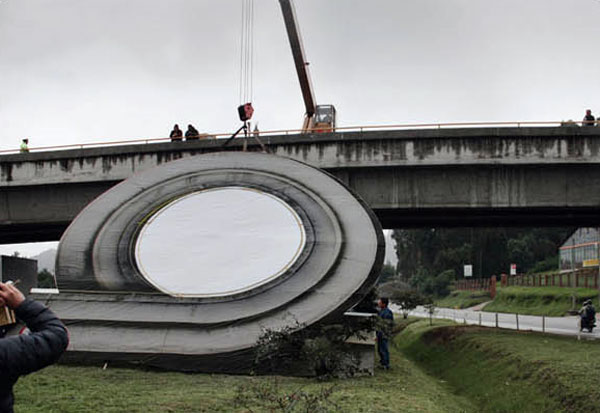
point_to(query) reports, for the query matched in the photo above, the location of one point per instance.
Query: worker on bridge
(588, 119)
(191, 134)
(24, 146)
(176, 134)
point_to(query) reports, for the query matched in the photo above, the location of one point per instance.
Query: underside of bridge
(467, 196)
(389, 218)
(489, 217)
(422, 178)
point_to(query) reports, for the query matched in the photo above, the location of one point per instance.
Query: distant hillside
(46, 260)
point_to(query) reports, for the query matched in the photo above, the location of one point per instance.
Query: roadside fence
(552, 325)
(569, 279)
(578, 279)
(473, 284)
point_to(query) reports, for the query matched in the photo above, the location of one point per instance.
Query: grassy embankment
(67, 389)
(504, 371)
(548, 301)
(463, 299)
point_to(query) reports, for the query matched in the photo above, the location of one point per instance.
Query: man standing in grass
(384, 332)
(26, 353)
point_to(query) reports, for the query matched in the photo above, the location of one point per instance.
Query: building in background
(580, 250)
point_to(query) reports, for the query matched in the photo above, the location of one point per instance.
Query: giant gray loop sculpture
(184, 265)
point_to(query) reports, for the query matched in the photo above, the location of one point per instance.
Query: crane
(318, 118)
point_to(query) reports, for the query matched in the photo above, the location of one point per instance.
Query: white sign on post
(513, 269)
(468, 270)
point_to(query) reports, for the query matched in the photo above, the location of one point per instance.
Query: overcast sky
(74, 71)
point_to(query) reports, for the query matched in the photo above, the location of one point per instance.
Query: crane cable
(247, 52)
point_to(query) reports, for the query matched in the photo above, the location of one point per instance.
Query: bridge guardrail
(364, 128)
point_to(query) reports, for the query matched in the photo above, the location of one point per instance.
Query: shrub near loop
(320, 350)
(269, 395)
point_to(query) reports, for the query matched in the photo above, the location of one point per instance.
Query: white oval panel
(219, 242)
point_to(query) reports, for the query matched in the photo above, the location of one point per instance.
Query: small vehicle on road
(587, 316)
(587, 323)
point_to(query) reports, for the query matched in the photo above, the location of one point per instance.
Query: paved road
(553, 325)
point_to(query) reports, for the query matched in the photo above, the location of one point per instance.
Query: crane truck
(318, 118)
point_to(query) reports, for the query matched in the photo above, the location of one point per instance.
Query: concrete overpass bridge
(508, 176)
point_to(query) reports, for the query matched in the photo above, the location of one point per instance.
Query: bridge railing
(363, 128)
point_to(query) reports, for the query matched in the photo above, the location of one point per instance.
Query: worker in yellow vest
(24, 145)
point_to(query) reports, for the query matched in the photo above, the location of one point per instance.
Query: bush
(441, 283)
(45, 279)
(320, 350)
(269, 396)
(390, 288)
(549, 264)
(433, 285)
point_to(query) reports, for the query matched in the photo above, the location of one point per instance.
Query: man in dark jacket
(176, 134)
(384, 332)
(24, 354)
(192, 133)
(588, 119)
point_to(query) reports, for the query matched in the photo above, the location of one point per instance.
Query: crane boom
(293, 31)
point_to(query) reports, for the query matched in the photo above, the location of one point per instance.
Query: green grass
(67, 389)
(502, 371)
(444, 368)
(463, 299)
(548, 301)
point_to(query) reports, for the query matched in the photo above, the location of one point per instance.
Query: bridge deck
(425, 177)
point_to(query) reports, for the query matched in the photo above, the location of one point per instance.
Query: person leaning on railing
(26, 353)
(588, 119)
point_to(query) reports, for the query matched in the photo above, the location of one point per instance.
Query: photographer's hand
(10, 296)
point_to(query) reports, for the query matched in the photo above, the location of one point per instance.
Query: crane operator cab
(324, 119)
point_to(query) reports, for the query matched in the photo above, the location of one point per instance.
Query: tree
(408, 300)
(429, 284)
(388, 272)
(519, 252)
(45, 279)
(489, 250)
(441, 283)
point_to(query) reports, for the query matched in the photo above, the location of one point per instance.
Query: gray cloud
(79, 71)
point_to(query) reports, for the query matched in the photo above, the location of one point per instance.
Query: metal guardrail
(363, 128)
(551, 325)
